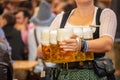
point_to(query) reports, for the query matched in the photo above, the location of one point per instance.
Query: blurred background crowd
(19, 18)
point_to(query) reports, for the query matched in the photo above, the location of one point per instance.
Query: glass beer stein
(53, 45)
(45, 44)
(88, 35)
(62, 56)
(80, 56)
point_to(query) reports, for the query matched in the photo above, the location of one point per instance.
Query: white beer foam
(63, 34)
(87, 33)
(53, 36)
(45, 37)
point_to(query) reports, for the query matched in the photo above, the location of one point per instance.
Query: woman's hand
(72, 44)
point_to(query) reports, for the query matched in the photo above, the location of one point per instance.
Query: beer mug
(63, 56)
(80, 56)
(45, 44)
(53, 45)
(88, 35)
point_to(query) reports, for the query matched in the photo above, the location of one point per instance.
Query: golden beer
(53, 52)
(45, 44)
(46, 53)
(88, 35)
(80, 56)
(53, 45)
(63, 56)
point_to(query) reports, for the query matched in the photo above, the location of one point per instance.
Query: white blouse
(107, 20)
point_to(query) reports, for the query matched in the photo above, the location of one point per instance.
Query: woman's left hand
(71, 44)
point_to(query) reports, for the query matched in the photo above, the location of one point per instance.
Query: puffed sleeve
(108, 23)
(56, 22)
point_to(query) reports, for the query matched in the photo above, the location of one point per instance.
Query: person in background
(2, 35)
(22, 24)
(4, 46)
(42, 21)
(15, 40)
(83, 16)
(6, 67)
(57, 6)
(116, 8)
(35, 5)
(13, 36)
(70, 4)
(28, 5)
(22, 18)
(8, 6)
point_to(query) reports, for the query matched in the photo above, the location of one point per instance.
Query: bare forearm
(102, 44)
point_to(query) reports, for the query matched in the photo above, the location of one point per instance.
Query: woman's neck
(83, 15)
(84, 9)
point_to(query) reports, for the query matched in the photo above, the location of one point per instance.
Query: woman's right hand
(71, 44)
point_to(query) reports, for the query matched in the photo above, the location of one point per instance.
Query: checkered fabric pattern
(83, 74)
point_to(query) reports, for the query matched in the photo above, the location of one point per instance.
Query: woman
(82, 16)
